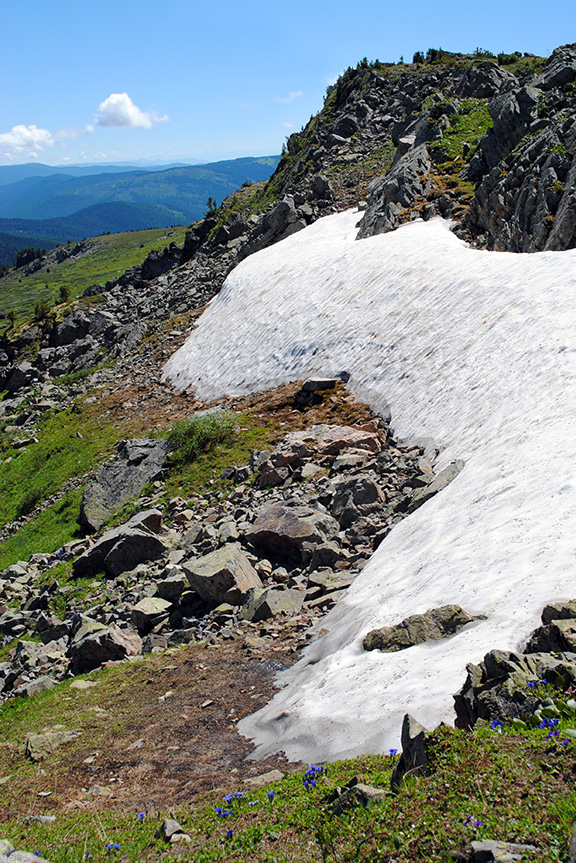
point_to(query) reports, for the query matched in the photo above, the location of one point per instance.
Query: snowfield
(473, 349)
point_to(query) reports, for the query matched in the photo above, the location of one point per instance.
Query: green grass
(201, 433)
(69, 443)
(467, 126)
(55, 526)
(111, 256)
(204, 471)
(490, 784)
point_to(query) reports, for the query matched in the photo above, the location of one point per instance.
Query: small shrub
(200, 434)
(65, 294)
(41, 310)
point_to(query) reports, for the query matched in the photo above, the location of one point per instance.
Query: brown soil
(144, 750)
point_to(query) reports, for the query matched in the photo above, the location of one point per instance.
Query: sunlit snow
(474, 349)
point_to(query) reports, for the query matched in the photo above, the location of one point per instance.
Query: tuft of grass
(204, 471)
(200, 434)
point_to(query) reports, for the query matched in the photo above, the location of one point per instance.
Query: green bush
(200, 434)
(41, 310)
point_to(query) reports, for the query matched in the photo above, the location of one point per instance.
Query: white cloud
(120, 112)
(65, 135)
(26, 141)
(288, 125)
(294, 94)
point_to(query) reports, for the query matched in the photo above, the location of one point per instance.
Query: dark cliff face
(526, 165)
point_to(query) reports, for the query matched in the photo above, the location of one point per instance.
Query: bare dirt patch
(155, 734)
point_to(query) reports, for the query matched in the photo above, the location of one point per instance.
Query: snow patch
(474, 349)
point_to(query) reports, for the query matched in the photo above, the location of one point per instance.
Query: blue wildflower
(252, 803)
(496, 723)
(477, 823)
(270, 795)
(393, 752)
(141, 816)
(228, 798)
(229, 834)
(467, 820)
(239, 794)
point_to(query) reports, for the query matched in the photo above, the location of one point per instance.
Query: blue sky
(120, 80)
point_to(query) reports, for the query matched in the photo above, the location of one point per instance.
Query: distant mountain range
(57, 204)
(13, 173)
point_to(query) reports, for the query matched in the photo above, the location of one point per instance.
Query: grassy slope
(69, 443)
(112, 255)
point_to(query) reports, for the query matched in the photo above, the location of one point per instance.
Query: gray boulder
(20, 376)
(74, 326)
(95, 644)
(559, 636)
(491, 851)
(264, 603)
(439, 483)
(149, 612)
(40, 746)
(282, 529)
(414, 758)
(123, 548)
(354, 496)
(484, 81)
(560, 68)
(137, 462)
(434, 624)
(559, 611)
(224, 575)
(404, 184)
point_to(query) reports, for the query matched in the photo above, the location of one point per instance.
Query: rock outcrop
(504, 685)
(137, 462)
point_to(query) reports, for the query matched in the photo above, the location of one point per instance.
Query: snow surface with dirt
(473, 349)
